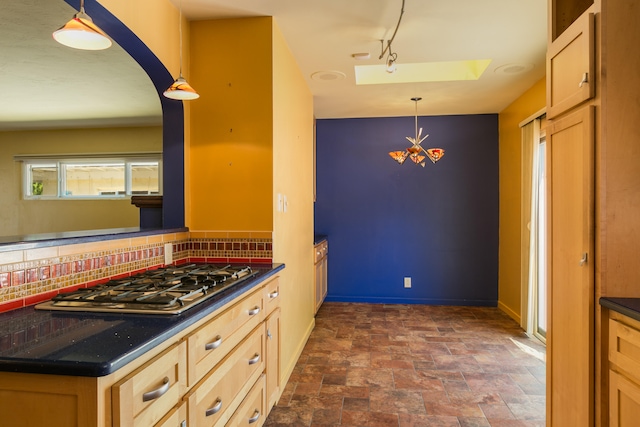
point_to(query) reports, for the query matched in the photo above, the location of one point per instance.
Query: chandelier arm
(394, 33)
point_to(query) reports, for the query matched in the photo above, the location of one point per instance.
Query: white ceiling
(48, 85)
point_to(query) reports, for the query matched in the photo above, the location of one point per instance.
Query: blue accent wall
(173, 208)
(385, 221)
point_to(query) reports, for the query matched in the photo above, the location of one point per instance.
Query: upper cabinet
(563, 13)
(571, 67)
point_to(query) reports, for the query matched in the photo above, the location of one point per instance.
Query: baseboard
(515, 316)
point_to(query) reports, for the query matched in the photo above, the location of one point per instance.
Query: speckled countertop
(317, 238)
(97, 344)
(628, 306)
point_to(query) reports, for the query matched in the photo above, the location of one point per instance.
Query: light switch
(285, 204)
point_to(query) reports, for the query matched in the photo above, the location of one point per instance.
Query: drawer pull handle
(214, 409)
(255, 417)
(585, 79)
(215, 344)
(269, 334)
(253, 311)
(274, 294)
(154, 394)
(255, 359)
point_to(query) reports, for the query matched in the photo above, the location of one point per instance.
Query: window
(46, 177)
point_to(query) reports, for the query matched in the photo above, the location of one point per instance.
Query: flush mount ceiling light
(181, 90)
(81, 33)
(391, 56)
(414, 152)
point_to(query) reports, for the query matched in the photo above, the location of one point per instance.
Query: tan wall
(19, 216)
(231, 148)
(509, 286)
(293, 177)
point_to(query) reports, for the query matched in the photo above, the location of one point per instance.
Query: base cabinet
(222, 371)
(624, 371)
(320, 266)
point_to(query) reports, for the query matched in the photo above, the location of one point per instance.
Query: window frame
(61, 162)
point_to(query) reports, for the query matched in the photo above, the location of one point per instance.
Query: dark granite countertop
(97, 344)
(33, 241)
(317, 238)
(628, 306)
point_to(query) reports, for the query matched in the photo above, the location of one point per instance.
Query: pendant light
(415, 151)
(180, 89)
(81, 33)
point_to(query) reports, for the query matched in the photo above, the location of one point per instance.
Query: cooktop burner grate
(165, 291)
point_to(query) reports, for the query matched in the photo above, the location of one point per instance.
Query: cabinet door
(570, 67)
(570, 342)
(273, 357)
(317, 283)
(624, 400)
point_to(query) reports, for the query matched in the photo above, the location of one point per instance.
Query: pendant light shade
(181, 90)
(81, 33)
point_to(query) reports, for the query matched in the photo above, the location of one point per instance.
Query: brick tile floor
(414, 365)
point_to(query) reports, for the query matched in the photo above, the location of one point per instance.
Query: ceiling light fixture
(81, 33)
(414, 152)
(181, 90)
(391, 57)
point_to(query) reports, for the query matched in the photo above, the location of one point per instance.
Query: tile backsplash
(35, 275)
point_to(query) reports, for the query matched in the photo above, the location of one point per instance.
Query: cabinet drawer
(177, 417)
(571, 67)
(214, 399)
(624, 348)
(143, 397)
(272, 296)
(321, 250)
(252, 410)
(208, 345)
(624, 401)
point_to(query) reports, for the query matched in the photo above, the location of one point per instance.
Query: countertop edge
(630, 307)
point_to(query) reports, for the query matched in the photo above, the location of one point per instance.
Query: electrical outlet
(407, 282)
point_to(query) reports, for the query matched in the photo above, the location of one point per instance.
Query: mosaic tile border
(29, 282)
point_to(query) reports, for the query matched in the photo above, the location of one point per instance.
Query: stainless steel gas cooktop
(169, 290)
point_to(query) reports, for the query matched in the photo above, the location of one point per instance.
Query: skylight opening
(422, 72)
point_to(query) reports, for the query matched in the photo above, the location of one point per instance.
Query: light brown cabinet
(624, 371)
(570, 339)
(613, 97)
(571, 67)
(320, 267)
(216, 372)
(143, 397)
(570, 154)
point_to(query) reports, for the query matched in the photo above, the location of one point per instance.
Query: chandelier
(415, 151)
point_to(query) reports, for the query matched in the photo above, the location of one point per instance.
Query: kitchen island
(90, 369)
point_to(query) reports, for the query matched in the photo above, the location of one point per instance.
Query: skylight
(421, 72)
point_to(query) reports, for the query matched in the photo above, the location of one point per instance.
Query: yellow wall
(19, 216)
(509, 286)
(231, 148)
(156, 23)
(293, 177)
